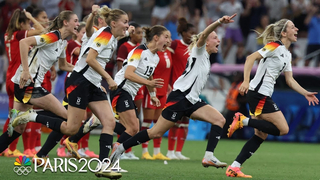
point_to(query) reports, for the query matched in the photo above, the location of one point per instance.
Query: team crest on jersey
(41, 39)
(130, 60)
(263, 49)
(98, 44)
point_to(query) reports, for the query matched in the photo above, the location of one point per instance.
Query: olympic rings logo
(22, 170)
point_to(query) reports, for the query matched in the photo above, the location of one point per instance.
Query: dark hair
(57, 23)
(34, 11)
(183, 25)
(152, 31)
(17, 17)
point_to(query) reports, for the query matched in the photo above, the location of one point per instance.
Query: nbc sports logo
(22, 166)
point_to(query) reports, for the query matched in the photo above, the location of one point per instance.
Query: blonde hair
(110, 14)
(194, 40)
(273, 31)
(57, 23)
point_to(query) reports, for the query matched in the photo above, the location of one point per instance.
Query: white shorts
(160, 12)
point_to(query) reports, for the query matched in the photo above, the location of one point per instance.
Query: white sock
(156, 151)
(245, 122)
(144, 150)
(235, 164)
(170, 152)
(208, 154)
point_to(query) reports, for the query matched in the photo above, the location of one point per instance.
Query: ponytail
(110, 14)
(152, 31)
(273, 31)
(194, 40)
(17, 18)
(57, 23)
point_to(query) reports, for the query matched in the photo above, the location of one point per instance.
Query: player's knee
(220, 121)
(284, 130)
(157, 135)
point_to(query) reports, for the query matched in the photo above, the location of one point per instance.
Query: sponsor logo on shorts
(126, 103)
(78, 100)
(173, 117)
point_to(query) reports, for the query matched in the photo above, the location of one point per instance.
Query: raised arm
(89, 23)
(38, 28)
(205, 33)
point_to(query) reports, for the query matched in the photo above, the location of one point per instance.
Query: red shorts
(147, 103)
(10, 92)
(140, 93)
(47, 83)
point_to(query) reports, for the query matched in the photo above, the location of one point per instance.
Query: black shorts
(80, 92)
(178, 106)
(25, 94)
(121, 101)
(260, 104)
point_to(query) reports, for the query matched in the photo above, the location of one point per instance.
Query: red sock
(37, 131)
(26, 137)
(13, 145)
(172, 138)
(85, 141)
(145, 125)
(181, 137)
(62, 139)
(157, 142)
(33, 134)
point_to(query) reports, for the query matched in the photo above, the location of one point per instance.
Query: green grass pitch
(273, 161)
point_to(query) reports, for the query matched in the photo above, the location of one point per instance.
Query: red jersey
(179, 59)
(13, 51)
(124, 50)
(71, 47)
(163, 71)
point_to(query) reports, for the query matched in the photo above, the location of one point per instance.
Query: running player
(137, 70)
(266, 117)
(151, 113)
(184, 99)
(18, 28)
(180, 57)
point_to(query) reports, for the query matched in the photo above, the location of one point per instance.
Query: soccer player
(180, 57)
(137, 70)
(30, 74)
(18, 28)
(184, 99)
(151, 113)
(266, 117)
(123, 51)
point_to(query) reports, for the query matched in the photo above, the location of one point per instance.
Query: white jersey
(276, 59)
(196, 74)
(49, 48)
(145, 63)
(104, 43)
(85, 38)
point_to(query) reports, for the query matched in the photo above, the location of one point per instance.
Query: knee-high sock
(137, 139)
(119, 128)
(128, 150)
(249, 148)
(123, 137)
(214, 137)
(53, 123)
(172, 136)
(146, 125)
(156, 141)
(181, 136)
(264, 126)
(13, 144)
(85, 141)
(62, 139)
(105, 145)
(26, 137)
(5, 140)
(52, 140)
(35, 134)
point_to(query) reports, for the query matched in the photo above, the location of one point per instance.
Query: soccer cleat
(13, 114)
(92, 123)
(147, 156)
(160, 156)
(236, 123)
(72, 148)
(236, 172)
(91, 154)
(213, 161)
(34, 151)
(171, 155)
(24, 117)
(16, 153)
(4, 152)
(108, 173)
(61, 152)
(129, 156)
(117, 150)
(81, 153)
(28, 153)
(181, 157)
